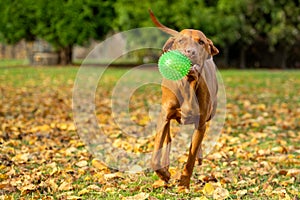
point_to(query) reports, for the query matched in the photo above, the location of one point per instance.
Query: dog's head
(192, 43)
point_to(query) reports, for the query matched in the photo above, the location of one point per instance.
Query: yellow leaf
(255, 124)
(220, 193)
(3, 176)
(2, 167)
(94, 187)
(182, 159)
(144, 121)
(140, 196)
(261, 107)
(82, 163)
(208, 189)
(113, 176)
(241, 193)
(98, 164)
(27, 188)
(173, 171)
(72, 197)
(183, 190)
(83, 191)
(293, 172)
(71, 127)
(200, 198)
(62, 126)
(21, 158)
(87, 178)
(135, 169)
(255, 189)
(65, 186)
(42, 128)
(158, 183)
(51, 183)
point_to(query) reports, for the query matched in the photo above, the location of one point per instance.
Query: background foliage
(238, 28)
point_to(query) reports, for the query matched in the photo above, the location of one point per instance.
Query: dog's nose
(190, 51)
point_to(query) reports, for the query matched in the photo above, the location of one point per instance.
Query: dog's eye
(201, 42)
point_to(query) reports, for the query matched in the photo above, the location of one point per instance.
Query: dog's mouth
(195, 70)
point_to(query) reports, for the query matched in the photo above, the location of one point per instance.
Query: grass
(13, 62)
(257, 150)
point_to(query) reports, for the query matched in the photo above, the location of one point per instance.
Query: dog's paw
(199, 161)
(184, 182)
(182, 189)
(163, 174)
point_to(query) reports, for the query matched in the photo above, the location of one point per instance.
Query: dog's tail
(161, 26)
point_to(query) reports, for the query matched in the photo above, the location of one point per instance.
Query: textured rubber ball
(173, 65)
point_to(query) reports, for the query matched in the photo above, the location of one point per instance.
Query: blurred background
(248, 33)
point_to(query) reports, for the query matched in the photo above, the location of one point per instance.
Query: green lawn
(42, 157)
(13, 62)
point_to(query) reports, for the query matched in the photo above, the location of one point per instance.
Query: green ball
(173, 65)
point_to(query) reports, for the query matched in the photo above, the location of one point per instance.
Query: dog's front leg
(193, 153)
(200, 155)
(162, 146)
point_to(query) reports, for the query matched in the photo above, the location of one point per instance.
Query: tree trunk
(13, 51)
(3, 50)
(65, 55)
(284, 58)
(243, 58)
(226, 56)
(29, 50)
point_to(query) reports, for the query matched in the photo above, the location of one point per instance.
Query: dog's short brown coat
(192, 100)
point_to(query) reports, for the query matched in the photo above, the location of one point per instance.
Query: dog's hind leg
(193, 153)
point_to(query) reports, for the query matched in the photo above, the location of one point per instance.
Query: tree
(61, 23)
(132, 16)
(66, 23)
(275, 22)
(17, 19)
(177, 15)
(284, 27)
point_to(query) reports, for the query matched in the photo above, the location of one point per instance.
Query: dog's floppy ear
(212, 49)
(168, 45)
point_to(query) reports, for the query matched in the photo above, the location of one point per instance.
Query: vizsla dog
(192, 100)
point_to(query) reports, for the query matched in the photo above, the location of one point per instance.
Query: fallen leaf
(241, 193)
(24, 190)
(140, 196)
(72, 197)
(208, 189)
(135, 169)
(82, 163)
(220, 193)
(83, 191)
(183, 190)
(21, 158)
(158, 183)
(94, 187)
(283, 172)
(268, 190)
(293, 172)
(200, 198)
(52, 184)
(42, 128)
(287, 182)
(279, 149)
(254, 190)
(98, 164)
(65, 186)
(113, 176)
(152, 198)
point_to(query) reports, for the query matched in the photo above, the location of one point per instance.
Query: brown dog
(192, 100)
